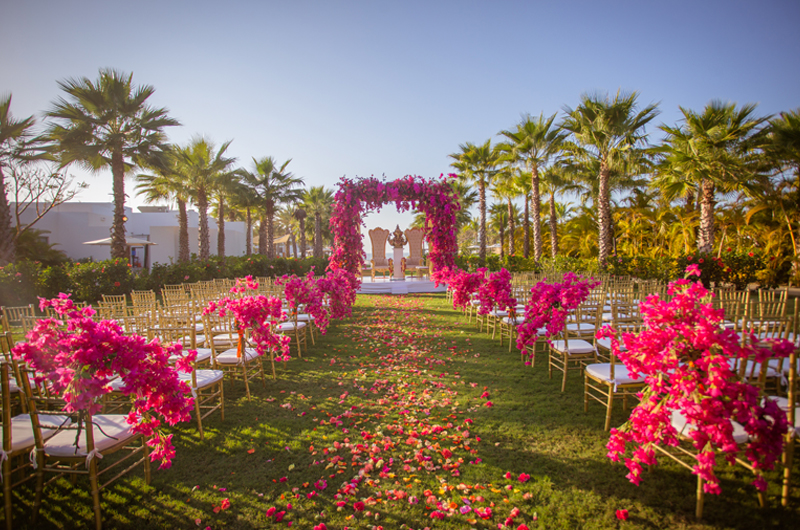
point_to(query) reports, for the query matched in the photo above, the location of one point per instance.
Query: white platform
(387, 286)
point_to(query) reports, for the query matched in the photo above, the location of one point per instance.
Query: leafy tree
(534, 142)
(203, 171)
(609, 132)
(244, 201)
(318, 203)
(165, 183)
(717, 149)
(478, 164)
(108, 123)
(274, 185)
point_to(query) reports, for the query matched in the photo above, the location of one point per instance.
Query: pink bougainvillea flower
(225, 504)
(622, 515)
(358, 506)
(524, 477)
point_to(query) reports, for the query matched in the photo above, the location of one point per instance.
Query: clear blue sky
(359, 88)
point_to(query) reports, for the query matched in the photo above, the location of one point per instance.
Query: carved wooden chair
(380, 263)
(415, 262)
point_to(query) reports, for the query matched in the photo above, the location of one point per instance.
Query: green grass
(369, 365)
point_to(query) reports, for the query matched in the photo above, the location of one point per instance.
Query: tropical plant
(318, 203)
(165, 183)
(611, 133)
(478, 163)
(16, 139)
(245, 200)
(718, 150)
(534, 142)
(274, 186)
(202, 170)
(108, 123)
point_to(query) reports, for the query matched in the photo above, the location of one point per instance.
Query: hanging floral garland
(433, 197)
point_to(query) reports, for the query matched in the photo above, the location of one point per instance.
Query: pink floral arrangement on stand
(496, 292)
(337, 286)
(77, 358)
(549, 306)
(258, 314)
(307, 293)
(684, 352)
(463, 284)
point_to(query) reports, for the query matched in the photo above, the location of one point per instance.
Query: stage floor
(387, 286)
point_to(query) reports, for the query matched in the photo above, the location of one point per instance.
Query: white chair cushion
(580, 326)
(499, 314)
(516, 321)
(602, 372)
(605, 344)
(289, 326)
(204, 377)
(680, 424)
(228, 357)
(203, 354)
(22, 429)
(115, 431)
(576, 346)
(305, 317)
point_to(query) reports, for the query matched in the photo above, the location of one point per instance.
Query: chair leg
(37, 501)
(566, 369)
(698, 512)
(199, 413)
(788, 461)
(147, 460)
(586, 393)
(609, 407)
(221, 400)
(98, 517)
(7, 491)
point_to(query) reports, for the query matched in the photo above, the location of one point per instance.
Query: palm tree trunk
(502, 241)
(7, 232)
(511, 248)
(553, 226)
(317, 235)
(118, 247)
(183, 232)
(482, 227)
(221, 228)
(536, 203)
(262, 236)
(294, 246)
(270, 213)
(526, 244)
(248, 235)
(202, 210)
(705, 243)
(604, 215)
(303, 238)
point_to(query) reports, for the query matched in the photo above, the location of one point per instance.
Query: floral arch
(434, 197)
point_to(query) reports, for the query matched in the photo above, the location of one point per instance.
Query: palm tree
(477, 163)
(108, 123)
(505, 188)
(244, 201)
(554, 180)
(609, 132)
(275, 186)
(523, 186)
(534, 142)
(165, 184)
(202, 170)
(15, 142)
(226, 187)
(318, 202)
(300, 214)
(716, 149)
(288, 224)
(784, 149)
(498, 220)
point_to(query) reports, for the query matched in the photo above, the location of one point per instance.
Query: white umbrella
(129, 241)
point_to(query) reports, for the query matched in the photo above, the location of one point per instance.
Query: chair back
(415, 237)
(12, 316)
(378, 237)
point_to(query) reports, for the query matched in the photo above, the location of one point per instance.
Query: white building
(73, 223)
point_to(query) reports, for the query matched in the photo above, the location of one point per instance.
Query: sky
(362, 88)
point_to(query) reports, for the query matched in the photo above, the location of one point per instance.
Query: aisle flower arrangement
(77, 358)
(496, 292)
(435, 198)
(306, 292)
(549, 305)
(685, 339)
(258, 314)
(463, 284)
(337, 286)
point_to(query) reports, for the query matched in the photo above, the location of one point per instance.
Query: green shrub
(55, 280)
(92, 280)
(18, 282)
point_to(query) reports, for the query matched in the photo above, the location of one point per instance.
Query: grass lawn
(392, 406)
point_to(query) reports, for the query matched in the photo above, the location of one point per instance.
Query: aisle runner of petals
(403, 421)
